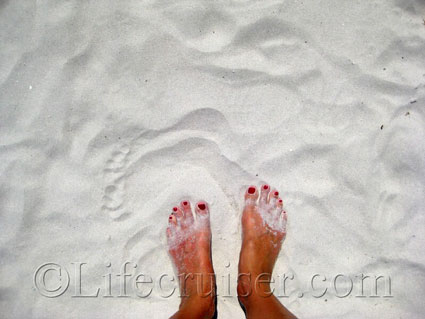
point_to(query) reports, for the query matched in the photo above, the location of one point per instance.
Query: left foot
(189, 245)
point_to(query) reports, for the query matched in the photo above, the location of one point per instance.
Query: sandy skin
(189, 245)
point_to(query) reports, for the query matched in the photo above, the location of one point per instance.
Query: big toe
(202, 212)
(251, 196)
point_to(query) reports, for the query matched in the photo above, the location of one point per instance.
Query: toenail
(266, 187)
(185, 203)
(251, 190)
(276, 193)
(280, 201)
(170, 218)
(175, 209)
(202, 206)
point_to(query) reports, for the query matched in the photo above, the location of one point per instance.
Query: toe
(177, 212)
(279, 204)
(284, 216)
(251, 195)
(187, 211)
(172, 219)
(273, 196)
(202, 208)
(172, 225)
(265, 190)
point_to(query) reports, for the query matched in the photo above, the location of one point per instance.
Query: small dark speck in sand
(384, 69)
(407, 113)
(256, 174)
(382, 126)
(414, 101)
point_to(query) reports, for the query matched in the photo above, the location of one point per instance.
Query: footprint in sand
(114, 175)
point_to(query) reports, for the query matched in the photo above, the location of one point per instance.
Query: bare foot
(263, 230)
(189, 245)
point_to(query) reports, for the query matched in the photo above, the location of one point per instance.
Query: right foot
(189, 245)
(263, 230)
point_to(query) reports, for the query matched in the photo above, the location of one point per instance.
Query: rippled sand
(113, 111)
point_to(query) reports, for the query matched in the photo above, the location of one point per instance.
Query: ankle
(254, 286)
(197, 307)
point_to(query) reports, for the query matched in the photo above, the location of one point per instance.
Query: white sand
(113, 111)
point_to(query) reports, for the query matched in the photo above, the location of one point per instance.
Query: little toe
(251, 195)
(284, 215)
(265, 190)
(187, 211)
(172, 229)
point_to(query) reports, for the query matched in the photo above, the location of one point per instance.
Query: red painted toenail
(175, 209)
(266, 186)
(251, 190)
(280, 201)
(202, 206)
(171, 217)
(185, 203)
(276, 193)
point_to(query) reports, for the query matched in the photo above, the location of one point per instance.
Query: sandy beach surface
(114, 111)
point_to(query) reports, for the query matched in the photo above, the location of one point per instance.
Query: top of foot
(267, 205)
(189, 245)
(263, 230)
